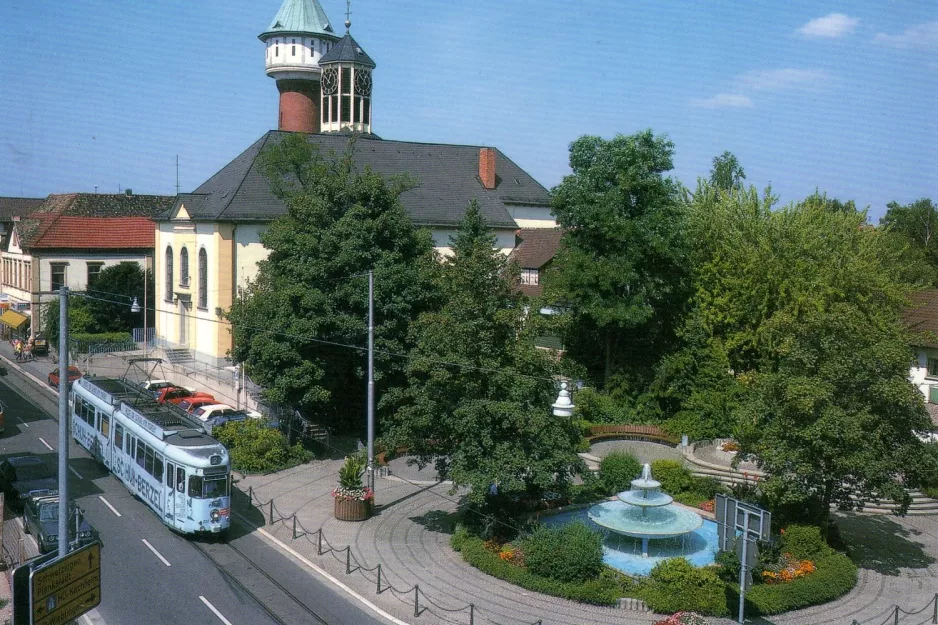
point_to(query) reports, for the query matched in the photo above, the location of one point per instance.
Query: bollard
(416, 600)
(294, 526)
(319, 543)
(348, 559)
(379, 578)
(271, 511)
(472, 610)
(896, 619)
(934, 616)
(250, 497)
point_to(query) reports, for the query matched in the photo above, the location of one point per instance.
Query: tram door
(169, 491)
(179, 496)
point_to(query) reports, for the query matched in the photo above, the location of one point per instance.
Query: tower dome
(296, 40)
(346, 87)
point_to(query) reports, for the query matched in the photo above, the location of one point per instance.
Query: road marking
(108, 504)
(43, 441)
(215, 610)
(76, 473)
(23, 422)
(155, 552)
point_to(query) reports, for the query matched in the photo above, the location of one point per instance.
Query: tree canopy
(300, 326)
(726, 173)
(917, 223)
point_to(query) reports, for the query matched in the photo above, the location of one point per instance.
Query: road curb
(277, 543)
(29, 375)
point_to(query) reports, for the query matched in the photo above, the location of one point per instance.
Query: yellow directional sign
(66, 588)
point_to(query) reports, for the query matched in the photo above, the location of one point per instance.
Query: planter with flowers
(353, 500)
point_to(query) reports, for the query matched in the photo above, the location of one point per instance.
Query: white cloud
(922, 36)
(774, 79)
(723, 100)
(830, 26)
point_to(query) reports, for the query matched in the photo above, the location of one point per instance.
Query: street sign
(66, 588)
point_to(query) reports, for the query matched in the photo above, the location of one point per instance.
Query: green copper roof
(299, 17)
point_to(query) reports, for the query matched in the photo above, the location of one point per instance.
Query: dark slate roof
(922, 317)
(11, 207)
(347, 49)
(447, 179)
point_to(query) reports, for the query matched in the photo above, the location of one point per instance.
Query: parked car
(41, 519)
(23, 474)
(176, 394)
(222, 419)
(191, 404)
(155, 386)
(215, 410)
(73, 374)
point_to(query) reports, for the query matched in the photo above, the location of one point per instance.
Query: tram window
(215, 487)
(158, 467)
(148, 462)
(105, 425)
(180, 479)
(195, 486)
(118, 436)
(141, 453)
(170, 471)
(129, 449)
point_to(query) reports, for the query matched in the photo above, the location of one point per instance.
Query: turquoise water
(625, 554)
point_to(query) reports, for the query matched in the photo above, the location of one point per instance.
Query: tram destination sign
(66, 588)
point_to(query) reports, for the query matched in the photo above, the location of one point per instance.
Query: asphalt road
(152, 575)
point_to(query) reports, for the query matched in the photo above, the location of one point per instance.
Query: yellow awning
(13, 319)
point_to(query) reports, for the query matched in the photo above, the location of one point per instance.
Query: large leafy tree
(301, 324)
(727, 173)
(477, 402)
(798, 312)
(918, 224)
(620, 272)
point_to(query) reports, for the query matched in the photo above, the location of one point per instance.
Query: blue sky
(839, 96)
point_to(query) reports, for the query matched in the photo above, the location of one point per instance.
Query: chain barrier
(344, 555)
(897, 612)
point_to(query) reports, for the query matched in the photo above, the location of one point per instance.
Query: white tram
(160, 454)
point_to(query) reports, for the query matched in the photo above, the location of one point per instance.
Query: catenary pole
(371, 380)
(63, 421)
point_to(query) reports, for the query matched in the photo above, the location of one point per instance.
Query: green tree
(620, 272)
(917, 223)
(120, 285)
(309, 301)
(485, 420)
(80, 318)
(727, 173)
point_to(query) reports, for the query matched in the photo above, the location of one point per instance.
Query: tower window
(293, 49)
(276, 50)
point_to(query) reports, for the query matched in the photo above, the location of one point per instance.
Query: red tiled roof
(64, 231)
(537, 247)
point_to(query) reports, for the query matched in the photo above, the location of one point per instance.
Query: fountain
(645, 512)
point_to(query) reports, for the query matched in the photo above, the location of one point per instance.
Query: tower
(296, 41)
(346, 86)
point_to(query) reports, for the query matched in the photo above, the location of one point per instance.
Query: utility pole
(371, 380)
(63, 421)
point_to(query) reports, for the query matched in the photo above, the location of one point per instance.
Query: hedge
(834, 577)
(256, 448)
(569, 553)
(605, 590)
(675, 584)
(617, 470)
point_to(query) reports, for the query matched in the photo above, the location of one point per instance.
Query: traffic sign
(66, 588)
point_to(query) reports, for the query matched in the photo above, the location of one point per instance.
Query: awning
(13, 319)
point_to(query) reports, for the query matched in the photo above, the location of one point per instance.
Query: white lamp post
(563, 407)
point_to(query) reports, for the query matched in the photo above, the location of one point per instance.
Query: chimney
(487, 167)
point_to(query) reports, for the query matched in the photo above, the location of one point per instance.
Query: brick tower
(297, 38)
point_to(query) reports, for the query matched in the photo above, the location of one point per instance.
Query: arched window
(184, 266)
(169, 273)
(203, 279)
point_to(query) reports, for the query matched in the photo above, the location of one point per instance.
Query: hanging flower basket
(353, 504)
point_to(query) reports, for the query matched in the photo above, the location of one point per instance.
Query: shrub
(617, 470)
(570, 553)
(833, 577)
(673, 476)
(604, 590)
(675, 585)
(804, 542)
(255, 448)
(596, 407)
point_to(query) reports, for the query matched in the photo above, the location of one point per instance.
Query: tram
(159, 453)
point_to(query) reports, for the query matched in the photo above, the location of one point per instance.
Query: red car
(175, 395)
(191, 404)
(73, 374)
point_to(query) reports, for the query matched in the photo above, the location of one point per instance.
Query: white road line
(155, 552)
(108, 504)
(23, 422)
(43, 441)
(76, 473)
(215, 610)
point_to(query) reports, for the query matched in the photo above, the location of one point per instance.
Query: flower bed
(684, 618)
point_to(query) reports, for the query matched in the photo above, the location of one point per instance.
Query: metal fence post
(271, 511)
(472, 618)
(250, 497)
(379, 578)
(416, 600)
(294, 526)
(896, 617)
(934, 616)
(348, 559)
(319, 543)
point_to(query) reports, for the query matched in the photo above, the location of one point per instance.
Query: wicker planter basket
(352, 509)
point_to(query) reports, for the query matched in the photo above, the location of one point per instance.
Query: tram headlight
(215, 515)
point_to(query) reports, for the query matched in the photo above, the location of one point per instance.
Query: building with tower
(208, 243)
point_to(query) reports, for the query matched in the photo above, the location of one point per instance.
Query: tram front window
(208, 488)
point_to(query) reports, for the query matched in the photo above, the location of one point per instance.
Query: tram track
(245, 574)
